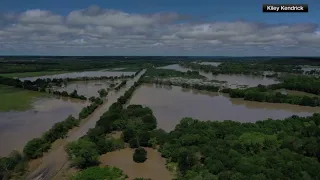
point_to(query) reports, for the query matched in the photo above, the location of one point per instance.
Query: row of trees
(211, 88)
(123, 83)
(86, 111)
(270, 149)
(255, 94)
(251, 68)
(16, 163)
(74, 94)
(37, 146)
(303, 83)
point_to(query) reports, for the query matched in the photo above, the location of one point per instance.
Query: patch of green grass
(166, 73)
(32, 74)
(17, 99)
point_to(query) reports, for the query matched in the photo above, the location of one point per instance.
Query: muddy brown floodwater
(87, 88)
(154, 167)
(171, 104)
(233, 81)
(80, 74)
(16, 128)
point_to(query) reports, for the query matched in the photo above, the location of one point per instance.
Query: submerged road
(56, 160)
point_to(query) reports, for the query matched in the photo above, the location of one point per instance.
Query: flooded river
(80, 74)
(16, 128)
(153, 168)
(233, 81)
(171, 104)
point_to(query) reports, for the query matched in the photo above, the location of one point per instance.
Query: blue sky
(166, 27)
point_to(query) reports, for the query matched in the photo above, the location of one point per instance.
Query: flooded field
(81, 74)
(87, 88)
(153, 168)
(16, 128)
(233, 81)
(171, 104)
(211, 63)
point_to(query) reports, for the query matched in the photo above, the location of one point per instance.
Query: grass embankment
(17, 99)
(167, 73)
(32, 74)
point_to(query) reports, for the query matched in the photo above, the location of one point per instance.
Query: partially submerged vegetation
(17, 99)
(165, 73)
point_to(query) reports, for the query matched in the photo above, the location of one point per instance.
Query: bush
(83, 153)
(98, 173)
(140, 155)
(35, 148)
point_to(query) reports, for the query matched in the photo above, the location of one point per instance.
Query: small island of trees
(140, 155)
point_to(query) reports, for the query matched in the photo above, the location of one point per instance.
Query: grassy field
(17, 99)
(32, 74)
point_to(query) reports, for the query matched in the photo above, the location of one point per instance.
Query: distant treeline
(243, 68)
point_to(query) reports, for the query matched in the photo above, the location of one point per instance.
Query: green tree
(83, 153)
(140, 155)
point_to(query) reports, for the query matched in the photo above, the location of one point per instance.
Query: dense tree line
(13, 165)
(36, 64)
(164, 73)
(243, 68)
(85, 78)
(37, 146)
(86, 111)
(270, 149)
(123, 83)
(262, 94)
(74, 94)
(138, 72)
(100, 173)
(40, 85)
(300, 83)
(211, 88)
(314, 72)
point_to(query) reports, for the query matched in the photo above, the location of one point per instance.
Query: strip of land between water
(56, 160)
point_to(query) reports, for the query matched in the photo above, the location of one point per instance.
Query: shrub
(140, 155)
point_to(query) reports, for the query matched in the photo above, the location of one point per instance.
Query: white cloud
(102, 30)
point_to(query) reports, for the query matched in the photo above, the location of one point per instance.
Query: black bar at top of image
(285, 8)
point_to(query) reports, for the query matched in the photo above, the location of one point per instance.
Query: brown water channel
(80, 74)
(87, 88)
(233, 81)
(154, 167)
(171, 104)
(16, 128)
